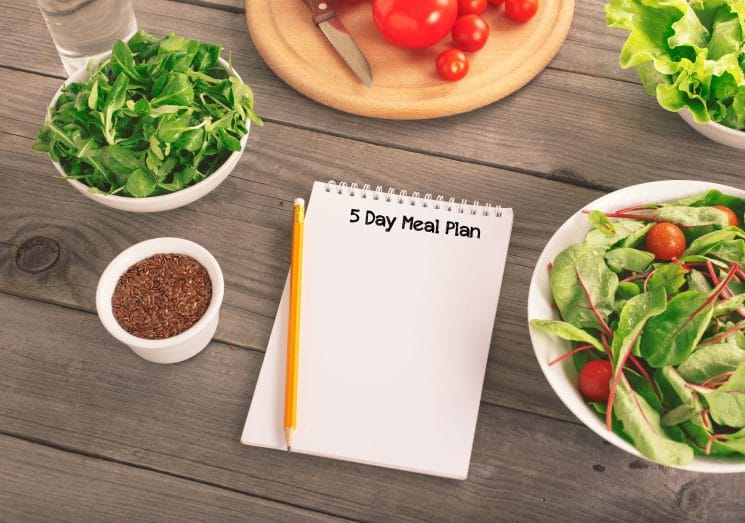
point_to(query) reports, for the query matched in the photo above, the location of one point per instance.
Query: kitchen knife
(327, 21)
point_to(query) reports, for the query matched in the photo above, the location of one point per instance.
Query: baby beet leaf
(605, 238)
(727, 403)
(625, 258)
(633, 316)
(711, 360)
(600, 222)
(671, 277)
(642, 423)
(567, 331)
(583, 287)
(707, 242)
(670, 338)
(123, 62)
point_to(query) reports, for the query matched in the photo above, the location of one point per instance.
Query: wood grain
(405, 85)
(82, 391)
(39, 481)
(244, 223)
(582, 129)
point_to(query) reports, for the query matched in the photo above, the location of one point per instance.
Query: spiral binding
(403, 198)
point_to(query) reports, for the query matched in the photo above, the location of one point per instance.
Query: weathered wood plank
(579, 128)
(41, 483)
(244, 223)
(82, 391)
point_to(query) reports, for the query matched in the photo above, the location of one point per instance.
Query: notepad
(399, 298)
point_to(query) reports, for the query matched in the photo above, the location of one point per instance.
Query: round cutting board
(405, 84)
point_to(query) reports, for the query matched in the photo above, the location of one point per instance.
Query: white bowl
(163, 202)
(715, 131)
(176, 348)
(563, 377)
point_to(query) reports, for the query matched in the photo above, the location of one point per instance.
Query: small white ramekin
(176, 348)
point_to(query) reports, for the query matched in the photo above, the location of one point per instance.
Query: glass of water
(87, 29)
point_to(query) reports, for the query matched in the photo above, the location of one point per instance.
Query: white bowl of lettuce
(652, 442)
(687, 55)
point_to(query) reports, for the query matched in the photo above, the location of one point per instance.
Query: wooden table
(89, 431)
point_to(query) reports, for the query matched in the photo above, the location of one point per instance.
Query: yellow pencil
(293, 335)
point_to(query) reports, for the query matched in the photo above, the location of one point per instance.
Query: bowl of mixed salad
(637, 319)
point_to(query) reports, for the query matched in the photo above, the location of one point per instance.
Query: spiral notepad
(399, 299)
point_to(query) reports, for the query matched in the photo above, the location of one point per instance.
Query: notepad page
(395, 333)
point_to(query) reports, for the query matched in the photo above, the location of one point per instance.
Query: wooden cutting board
(405, 83)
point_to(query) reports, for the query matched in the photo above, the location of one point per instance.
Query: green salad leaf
(158, 116)
(687, 54)
(711, 360)
(727, 403)
(642, 423)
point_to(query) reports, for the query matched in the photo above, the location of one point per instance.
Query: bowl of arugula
(644, 341)
(157, 125)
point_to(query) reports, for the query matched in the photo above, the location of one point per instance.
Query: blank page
(398, 305)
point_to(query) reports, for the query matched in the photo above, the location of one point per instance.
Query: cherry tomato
(451, 65)
(352, 1)
(594, 380)
(520, 10)
(496, 2)
(731, 216)
(469, 7)
(666, 241)
(470, 33)
(414, 25)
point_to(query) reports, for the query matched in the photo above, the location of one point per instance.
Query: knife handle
(320, 10)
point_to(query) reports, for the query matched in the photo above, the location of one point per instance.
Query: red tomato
(414, 24)
(731, 216)
(666, 241)
(496, 2)
(470, 33)
(451, 65)
(594, 380)
(468, 7)
(520, 10)
(352, 1)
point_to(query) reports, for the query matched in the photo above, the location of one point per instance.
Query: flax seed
(161, 296)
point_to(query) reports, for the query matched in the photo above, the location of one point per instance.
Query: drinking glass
(87, 29)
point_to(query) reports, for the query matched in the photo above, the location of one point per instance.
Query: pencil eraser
(299, 201)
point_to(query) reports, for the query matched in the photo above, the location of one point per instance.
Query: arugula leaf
(140, 183)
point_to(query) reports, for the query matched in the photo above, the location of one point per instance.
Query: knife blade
(331, 26)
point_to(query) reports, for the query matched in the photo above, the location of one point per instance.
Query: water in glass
(86, 29)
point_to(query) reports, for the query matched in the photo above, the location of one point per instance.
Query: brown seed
(161, 296)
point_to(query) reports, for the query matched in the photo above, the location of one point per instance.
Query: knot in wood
(37, 254)
(692, 497)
